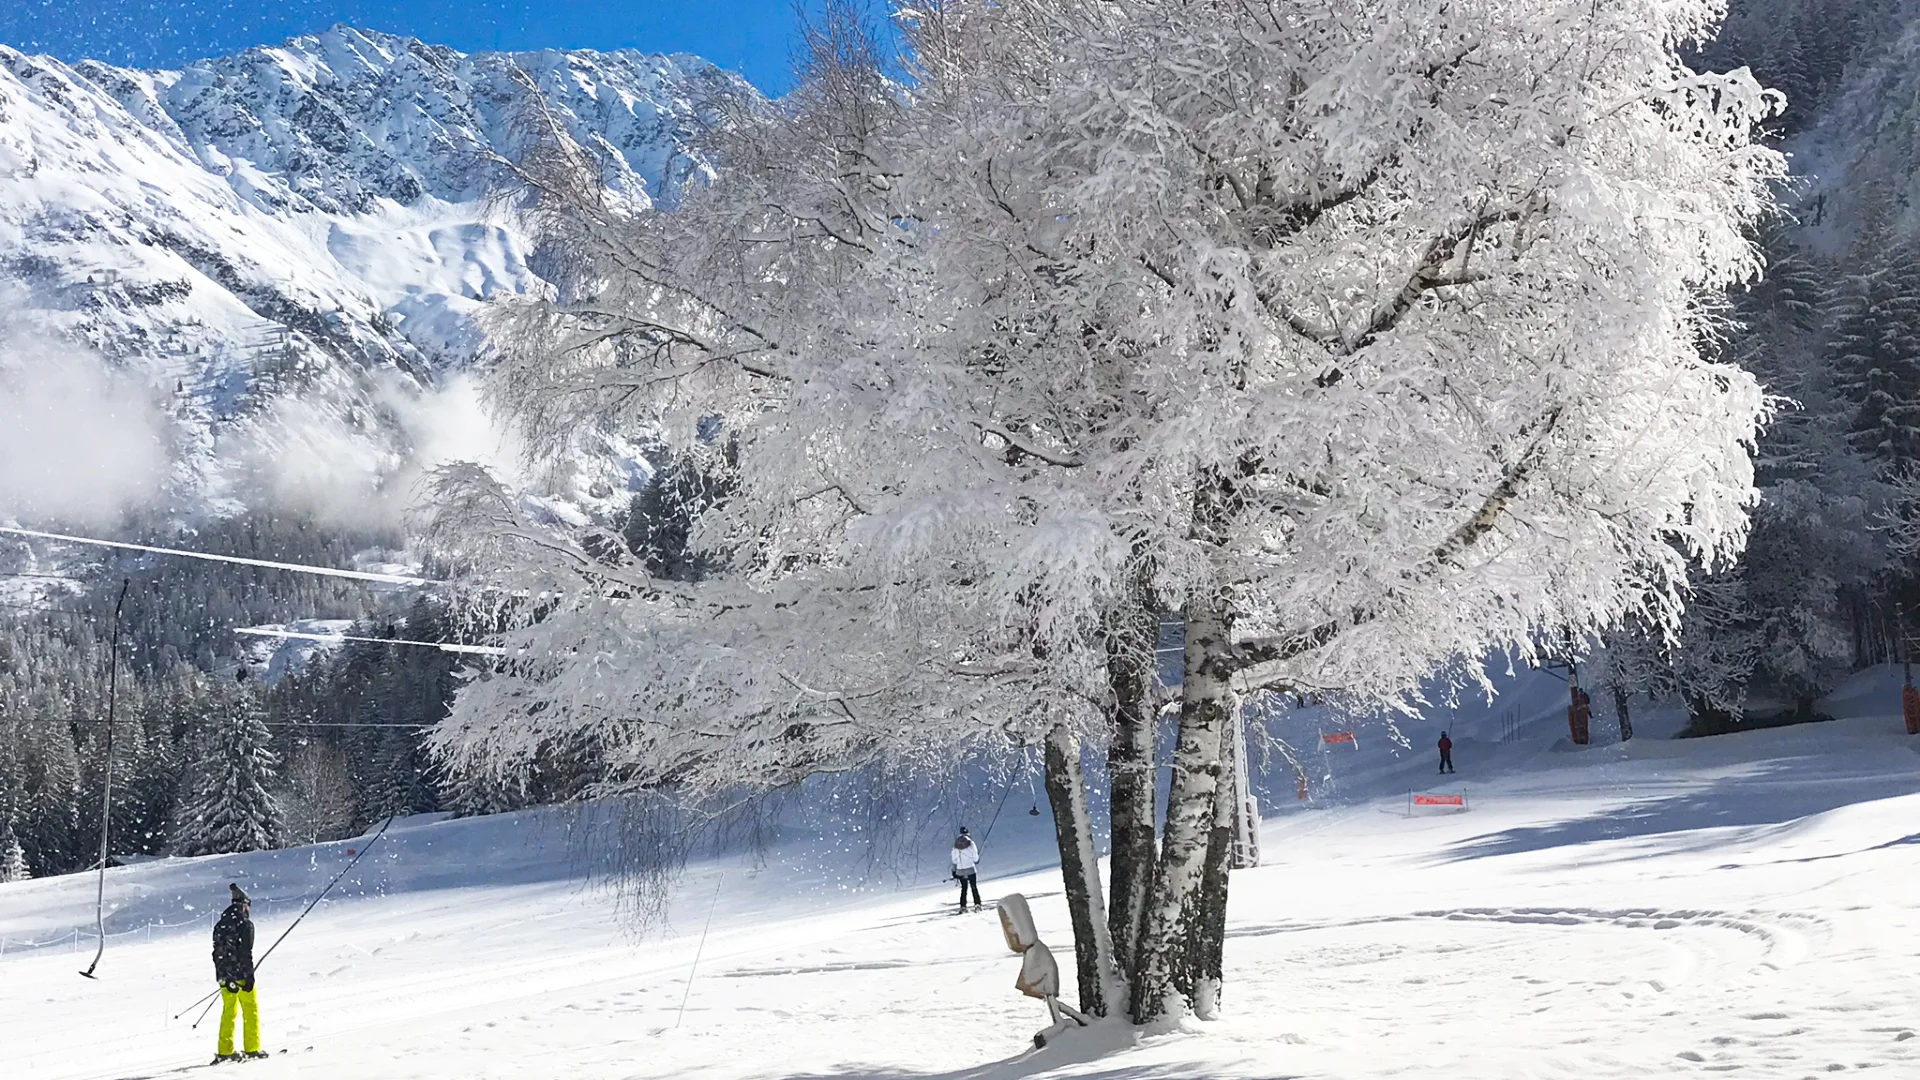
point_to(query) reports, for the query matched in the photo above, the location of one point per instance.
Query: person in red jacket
(1446, 753)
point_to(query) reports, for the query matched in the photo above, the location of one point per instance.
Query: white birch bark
(1205, 703)
(1102, 991)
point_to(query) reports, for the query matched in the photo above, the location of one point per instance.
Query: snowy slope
(1738, 905)
(306, 223)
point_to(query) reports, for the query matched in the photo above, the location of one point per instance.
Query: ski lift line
(296, 568)
(988, 835)
(702, 947)
(443, 646)
(335, 639)
(83, 722)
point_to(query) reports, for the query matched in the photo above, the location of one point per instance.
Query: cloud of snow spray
(309, 456)
(80, 442)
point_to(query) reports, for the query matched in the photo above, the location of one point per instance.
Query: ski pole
(203, 1012)
(283, 934)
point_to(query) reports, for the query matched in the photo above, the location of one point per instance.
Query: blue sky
(754, 37)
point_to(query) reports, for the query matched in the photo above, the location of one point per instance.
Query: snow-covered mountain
(288, 246)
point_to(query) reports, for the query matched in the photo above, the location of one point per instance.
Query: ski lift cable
(335, 639)
(267, 564)
(988, 835)
(295, 724)
(331, 639)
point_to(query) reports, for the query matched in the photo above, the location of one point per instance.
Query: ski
(181, 1070)
(242, 1059)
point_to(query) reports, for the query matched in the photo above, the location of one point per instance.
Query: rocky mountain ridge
(287, 247)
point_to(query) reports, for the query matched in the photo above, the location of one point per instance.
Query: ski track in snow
(1740, 906)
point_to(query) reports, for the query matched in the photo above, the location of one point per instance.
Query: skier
(966, 858)
(233, 967)
(1446, 753)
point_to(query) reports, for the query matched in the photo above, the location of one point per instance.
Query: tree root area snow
(1633, 912)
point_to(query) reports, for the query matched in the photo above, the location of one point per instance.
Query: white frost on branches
(1367, 334)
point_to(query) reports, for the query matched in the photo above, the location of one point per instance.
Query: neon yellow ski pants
(249, 1009)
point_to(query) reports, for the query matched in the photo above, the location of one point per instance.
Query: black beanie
(238, 896)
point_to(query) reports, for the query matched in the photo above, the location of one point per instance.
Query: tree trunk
(1620, 710)
(1132, 773)
(1207, 925)
(1167, 980)
(1080, 872)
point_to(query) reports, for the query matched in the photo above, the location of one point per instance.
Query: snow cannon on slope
(1039, 972)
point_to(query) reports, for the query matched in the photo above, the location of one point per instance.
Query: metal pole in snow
(106, 786)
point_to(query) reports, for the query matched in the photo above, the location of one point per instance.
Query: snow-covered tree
(13, 857)
(1876, 347)
(1773, 632)
(226, 805)
(317, 799)
(1364, 336)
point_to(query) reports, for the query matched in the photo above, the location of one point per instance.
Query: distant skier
(966, 860)
(1446, 753)
(233, 967)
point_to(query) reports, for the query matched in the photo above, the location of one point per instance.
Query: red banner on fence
(1440, 800)
(1335, 738)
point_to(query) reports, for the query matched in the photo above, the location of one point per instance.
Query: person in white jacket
(966, 858)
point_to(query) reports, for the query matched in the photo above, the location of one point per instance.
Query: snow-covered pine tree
(226, 805)
(13, 857)
(1874, 313)
(49, 820)
(144, 800)
(470, 792)
(660, 518)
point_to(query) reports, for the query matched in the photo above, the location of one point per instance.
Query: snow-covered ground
(1740, 905)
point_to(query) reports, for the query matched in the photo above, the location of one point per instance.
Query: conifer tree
(13, 857)
(1874, 313)
(49, 823)
(226, 806)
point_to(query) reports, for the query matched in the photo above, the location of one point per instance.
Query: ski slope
(1743, 906)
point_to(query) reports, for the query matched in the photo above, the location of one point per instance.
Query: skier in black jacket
(233, 967)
